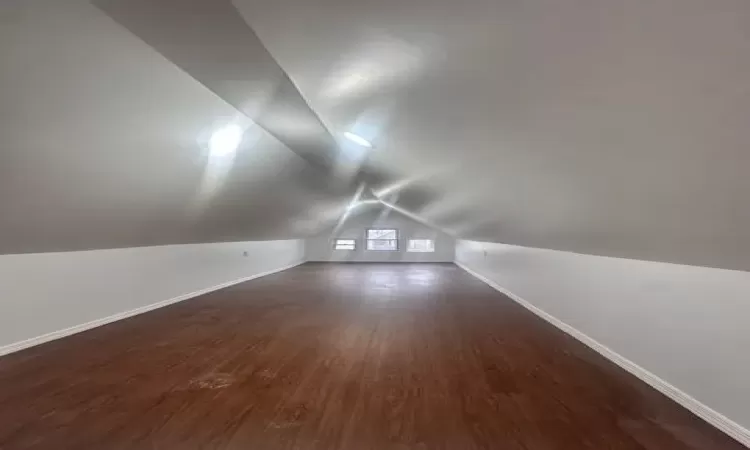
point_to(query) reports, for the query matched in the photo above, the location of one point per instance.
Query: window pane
(382, 234)
(421, 245)
(381, 244)
(344, 244)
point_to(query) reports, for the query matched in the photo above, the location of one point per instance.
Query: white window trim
(413, 250)
(353, 244)
(367, 241)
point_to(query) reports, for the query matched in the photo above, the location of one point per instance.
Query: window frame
(353, 244)
(409, 249)
(368, 239)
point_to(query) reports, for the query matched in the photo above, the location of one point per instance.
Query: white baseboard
(17, 346)
(718, 420)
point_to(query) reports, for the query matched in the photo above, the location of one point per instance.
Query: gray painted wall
(48, 292)
(685, 324)
(320, 247)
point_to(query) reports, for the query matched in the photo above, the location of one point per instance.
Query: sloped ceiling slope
(104, 143)
(605, 127)
(609, 127)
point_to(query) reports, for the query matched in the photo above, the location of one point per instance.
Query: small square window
(382, 239)
(421, 245)
(381, 233)
(344, 244)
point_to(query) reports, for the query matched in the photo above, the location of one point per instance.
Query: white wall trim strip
(723, 423)
(17, 346)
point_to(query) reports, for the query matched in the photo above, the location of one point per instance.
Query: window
(344, 244)
(382, 239)
(421, 245)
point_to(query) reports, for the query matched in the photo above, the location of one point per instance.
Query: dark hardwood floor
(324, 356)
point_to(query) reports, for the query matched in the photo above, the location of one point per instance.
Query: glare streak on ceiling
(234, 64)
(108, 144)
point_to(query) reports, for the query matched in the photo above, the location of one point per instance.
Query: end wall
(45, 296)
(320, 247)
(686, 325)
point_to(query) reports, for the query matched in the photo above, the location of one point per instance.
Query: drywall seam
(21, 345)
(723, 423)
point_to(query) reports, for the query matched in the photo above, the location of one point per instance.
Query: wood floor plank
(336, 356)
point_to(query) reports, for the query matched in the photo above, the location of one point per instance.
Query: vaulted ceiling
(609, 127)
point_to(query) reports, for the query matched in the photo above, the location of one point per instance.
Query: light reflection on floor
(383, 282)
